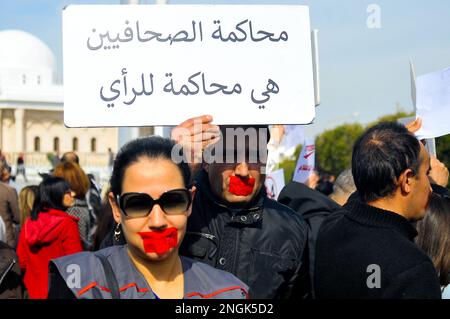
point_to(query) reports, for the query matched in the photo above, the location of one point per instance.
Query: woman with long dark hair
(434, 238)
(48, 233)
(151, 200)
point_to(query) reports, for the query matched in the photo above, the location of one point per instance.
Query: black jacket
(367, 252)
(263, 244)
(11, 285)
(313, 206)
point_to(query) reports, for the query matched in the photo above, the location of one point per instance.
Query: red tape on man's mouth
(241, 186)
(160, 242)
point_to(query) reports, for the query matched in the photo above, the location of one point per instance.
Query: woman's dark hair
(153, 147)
(104, 233)
(379, 157)
(50, 195)
(434, 235)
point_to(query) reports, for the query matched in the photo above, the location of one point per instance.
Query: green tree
(443, 151)
(288, 164)
(391, 117)
(442, 143)
(334, 147)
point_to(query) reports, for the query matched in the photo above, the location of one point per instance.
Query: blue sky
(364, 72)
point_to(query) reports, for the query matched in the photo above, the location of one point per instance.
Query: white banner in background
(139, 65)
(433, 104)
(306, 161)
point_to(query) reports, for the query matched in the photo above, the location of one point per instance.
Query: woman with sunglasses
(151, 203)
(48, 233)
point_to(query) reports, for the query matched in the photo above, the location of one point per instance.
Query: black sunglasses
(173, 202)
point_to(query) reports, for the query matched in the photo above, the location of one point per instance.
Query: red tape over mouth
(241, 186)
(160, 242)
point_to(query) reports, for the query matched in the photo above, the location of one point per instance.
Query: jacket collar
(251, 213)
(376, 217)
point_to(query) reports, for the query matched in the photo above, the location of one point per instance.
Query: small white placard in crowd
(306, 161)
(433, 104)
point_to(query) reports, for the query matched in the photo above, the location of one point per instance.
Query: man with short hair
(235, 227)
(369, 251)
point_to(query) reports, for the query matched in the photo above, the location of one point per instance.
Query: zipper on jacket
(13, 262)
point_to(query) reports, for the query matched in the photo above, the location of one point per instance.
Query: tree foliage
(288, 164)
(391, 118)
(334, 147)
(443, 150)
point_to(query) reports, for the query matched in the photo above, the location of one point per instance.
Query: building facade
(31, 109)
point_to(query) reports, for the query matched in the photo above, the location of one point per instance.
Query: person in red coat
(47, 234)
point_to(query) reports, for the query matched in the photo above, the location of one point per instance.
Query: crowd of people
(189, 217)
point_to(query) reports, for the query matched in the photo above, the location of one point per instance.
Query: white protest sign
(430, 143)
(293, 136)
(139, 65)
(433, 104)
(412, 74)
(283, 143)
(306, 161)
(274, 183)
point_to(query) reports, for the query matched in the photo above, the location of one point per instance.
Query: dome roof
(19, 49)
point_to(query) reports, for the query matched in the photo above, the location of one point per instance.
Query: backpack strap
(111, 279)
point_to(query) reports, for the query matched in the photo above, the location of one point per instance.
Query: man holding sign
(253, 64)
(236, 227)
(357, 252)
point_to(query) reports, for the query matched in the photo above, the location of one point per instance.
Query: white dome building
(25, 60)
(31, 109)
